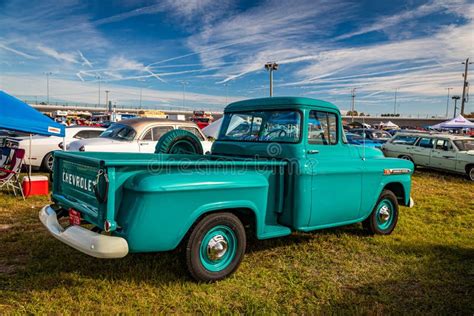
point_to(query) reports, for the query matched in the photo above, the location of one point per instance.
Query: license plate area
(74, 217)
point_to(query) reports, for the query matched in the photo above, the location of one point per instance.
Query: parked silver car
(437, 151)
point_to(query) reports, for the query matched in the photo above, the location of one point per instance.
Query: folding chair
(9, 175)
(6, 156)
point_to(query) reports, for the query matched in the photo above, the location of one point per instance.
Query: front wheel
(215, 247)
(470, 173)
(384, 216)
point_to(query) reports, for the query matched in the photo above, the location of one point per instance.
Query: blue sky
(218, 48)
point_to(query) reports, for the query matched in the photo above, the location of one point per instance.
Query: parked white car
(453, 153)
(137, 135)
(43, 146)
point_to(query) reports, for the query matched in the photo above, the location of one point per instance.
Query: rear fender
(227, 206)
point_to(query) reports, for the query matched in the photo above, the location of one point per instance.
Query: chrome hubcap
(384, 214)
(216, 247)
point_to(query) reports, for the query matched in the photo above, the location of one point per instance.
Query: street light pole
(47, 85)
(353, 94)
(184, 83)
(98, 100)
(141, 97)
(107, 108)
(465, 85)
(226, 92)
(455, 98)
(395, 103)
(271, 66)
(447, 102)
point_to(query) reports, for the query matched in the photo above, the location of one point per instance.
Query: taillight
(107, 226)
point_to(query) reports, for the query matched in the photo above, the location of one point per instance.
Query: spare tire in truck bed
(179, 141)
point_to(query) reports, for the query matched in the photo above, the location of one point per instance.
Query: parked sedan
(437, 151)
(356, 139)
(42, 147)
(137, 135)
(375, 135)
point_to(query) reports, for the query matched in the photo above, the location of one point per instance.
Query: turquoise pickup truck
(279, 165)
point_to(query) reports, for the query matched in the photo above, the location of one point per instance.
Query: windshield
(465, 144)
(262, 126)
(119, 132)
(381, 135)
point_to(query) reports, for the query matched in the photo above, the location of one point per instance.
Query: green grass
(425, 266)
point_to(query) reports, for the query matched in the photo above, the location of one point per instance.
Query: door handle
(143, 144)
(312, 151)
(447, 157)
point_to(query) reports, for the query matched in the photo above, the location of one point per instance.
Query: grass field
(425, 266)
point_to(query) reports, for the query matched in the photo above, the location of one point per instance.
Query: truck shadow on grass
(51, 261)
(423, 277)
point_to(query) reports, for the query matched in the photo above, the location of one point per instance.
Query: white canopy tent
(457, 122)
(388, 125)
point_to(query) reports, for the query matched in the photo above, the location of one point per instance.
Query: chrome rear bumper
(84, 240)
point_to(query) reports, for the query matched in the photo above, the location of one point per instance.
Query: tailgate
(74, 182)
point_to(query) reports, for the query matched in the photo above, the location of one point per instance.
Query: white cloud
(86, 92)
(17, 52)
(67, 57)
(85, 61)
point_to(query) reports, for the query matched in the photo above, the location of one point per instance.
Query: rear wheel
(470, 172)
(384, 216)
(215, 247)
(47, 163)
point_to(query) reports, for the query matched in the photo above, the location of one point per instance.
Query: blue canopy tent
(16, 115)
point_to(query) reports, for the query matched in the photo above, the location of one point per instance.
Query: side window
(443, 144)
(193, 130)
(322, 128)
(160, 131)
(82, 135)
(404, 140)
(425, 142)
(93, 134)
(147, 135)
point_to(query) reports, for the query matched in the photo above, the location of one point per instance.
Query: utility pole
(395, 103)
(184, 83)
(226, 92)
(455, 98)
(465, 84)
(98, 80)
(107, 107)
(353, 94)
(447, 102)
(47, 85)
(271, 66)
(141, 97)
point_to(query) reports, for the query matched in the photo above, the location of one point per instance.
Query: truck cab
(279, 165)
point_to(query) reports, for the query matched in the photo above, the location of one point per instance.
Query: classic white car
(43, 146)
(137, 135)
(453, 153)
